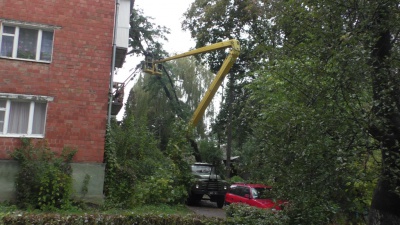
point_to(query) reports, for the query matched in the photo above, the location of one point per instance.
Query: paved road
(208, 209)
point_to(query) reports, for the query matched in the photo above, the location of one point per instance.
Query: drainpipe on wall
(114, 50)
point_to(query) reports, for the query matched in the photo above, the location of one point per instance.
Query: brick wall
(77, 77)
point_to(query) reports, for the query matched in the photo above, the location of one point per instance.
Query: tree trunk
(196, 152)
(229, 127)
(385, 207)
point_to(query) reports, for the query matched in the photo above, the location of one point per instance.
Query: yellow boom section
(212, 89)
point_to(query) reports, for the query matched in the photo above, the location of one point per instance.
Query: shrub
(148, 219)
(248, 215)
(137, 172)
(44, 179)
(119, 180)
(236, 179)
(161, 188)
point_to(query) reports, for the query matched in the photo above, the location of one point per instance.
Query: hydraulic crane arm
(216, 83)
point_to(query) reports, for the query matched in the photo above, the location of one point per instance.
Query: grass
(156, 209)
(8, 208)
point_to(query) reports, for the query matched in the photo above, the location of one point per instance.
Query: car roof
(251, 185)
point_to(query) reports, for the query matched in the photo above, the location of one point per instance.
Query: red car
(257, 195)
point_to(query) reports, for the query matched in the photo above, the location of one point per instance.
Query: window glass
(246, 191)
(47, 46)
(243, 190)
(19, 118)
(233, 190)
(7, 46)
(203, 169)
(2, 114)
(39, 117)
(8, 30)
(27, 43)
(263, 193)
(29, 46)
(254, 193)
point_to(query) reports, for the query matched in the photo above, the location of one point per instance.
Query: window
(23, 118)
(262, 193)
(26, 43)
(234, 190)
(242, 191)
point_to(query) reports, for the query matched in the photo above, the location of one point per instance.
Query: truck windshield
(202, 169)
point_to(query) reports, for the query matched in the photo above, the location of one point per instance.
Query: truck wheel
(220, 202)
(194, 199)
(189, 201)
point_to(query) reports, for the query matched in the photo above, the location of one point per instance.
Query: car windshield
(261, 193)
(202, 169)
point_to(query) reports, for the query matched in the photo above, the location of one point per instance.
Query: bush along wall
(98, 219)
(119, 182)
(44, 179)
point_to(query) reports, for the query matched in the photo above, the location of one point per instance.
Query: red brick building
(55, 63)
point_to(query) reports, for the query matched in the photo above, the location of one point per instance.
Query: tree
(134, 162)
(176, 93)
(192, 80)
(385, 208)
(144, 35)
(211, 22)
(324, 98)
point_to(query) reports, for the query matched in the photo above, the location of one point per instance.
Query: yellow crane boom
(212, 89)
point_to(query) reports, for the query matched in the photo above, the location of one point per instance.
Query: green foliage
(248, 215)
(192, 80)
(176, 93)
(144, 161)
(106, 219)
(119, 180)
(138, 172)
(7, 208)
(84, 189)
(147, 99)
(161, 188)
(145, 35)
(181, 155)
(320, 103)
(44, 180)
(136, 147)
(236, 179)
(210, 152)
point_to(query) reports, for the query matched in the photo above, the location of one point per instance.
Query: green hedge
(102, 219)
(249, 215)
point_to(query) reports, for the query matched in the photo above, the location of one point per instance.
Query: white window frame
(18, 25)
(32, 99)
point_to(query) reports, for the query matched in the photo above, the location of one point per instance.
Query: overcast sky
(164, 13)
(170, 14)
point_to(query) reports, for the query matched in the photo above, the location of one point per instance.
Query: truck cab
(207, 182)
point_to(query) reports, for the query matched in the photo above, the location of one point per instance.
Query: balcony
(118, 98)
(122, 32)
